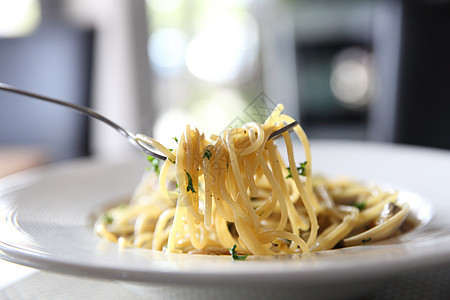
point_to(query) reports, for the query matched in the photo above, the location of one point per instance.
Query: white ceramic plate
(46, 218)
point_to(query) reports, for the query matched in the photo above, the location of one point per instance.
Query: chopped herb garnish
(207, 154)
(175, 139)
(108, 218)
(154, 163)
(235, 256)
(170, 149)
(360, 206)
(366, 241)
(190, 186)
(300, 170)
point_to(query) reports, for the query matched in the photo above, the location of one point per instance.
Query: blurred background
(356, 70)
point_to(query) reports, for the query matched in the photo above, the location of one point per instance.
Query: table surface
(32, 284)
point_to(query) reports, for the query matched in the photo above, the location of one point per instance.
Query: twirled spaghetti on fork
(234, 191)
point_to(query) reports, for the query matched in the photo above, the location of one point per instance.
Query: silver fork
(130, 136)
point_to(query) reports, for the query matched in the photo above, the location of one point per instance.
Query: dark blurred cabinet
(56, 61)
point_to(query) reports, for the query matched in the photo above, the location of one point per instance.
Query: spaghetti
(234, 191)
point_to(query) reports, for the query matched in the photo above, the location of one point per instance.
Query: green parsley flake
(175, 139)
(154, 163)
(360, 206)
(366, 241)
(300, 170)
(190, 186)
(207, 154)
(235, 256)
(108, 218)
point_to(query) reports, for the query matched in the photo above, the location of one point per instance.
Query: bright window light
(219, 52)
(170, 123)
(351, 77)
(211, 115)
(164, 6)
(217, 112)
(18, 17)
(166, 48)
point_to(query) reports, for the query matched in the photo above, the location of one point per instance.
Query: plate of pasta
(236, 212)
